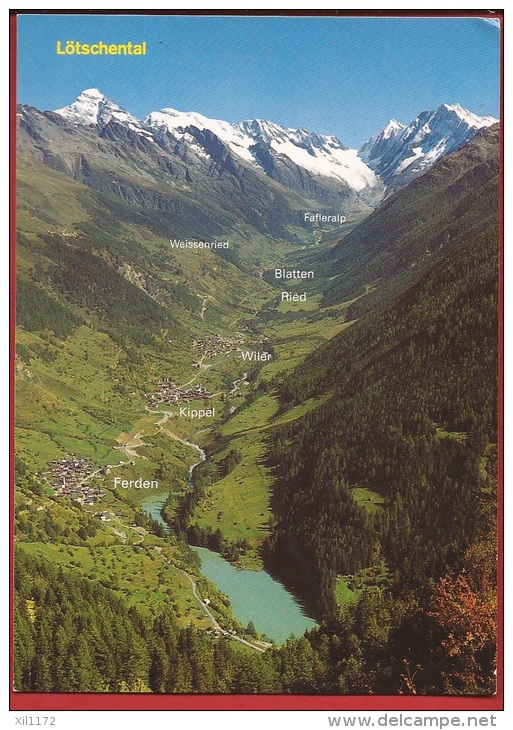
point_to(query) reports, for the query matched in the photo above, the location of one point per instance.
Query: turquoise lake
(255, 596)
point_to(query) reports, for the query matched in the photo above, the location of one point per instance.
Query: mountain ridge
(299, 158)
(184, 193)
(417, 226)
(400, 153)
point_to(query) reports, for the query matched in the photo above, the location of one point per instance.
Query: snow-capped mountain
(263, 143)
(308, 163)
(376, 146)
(316, 165)
(179, 123)
(400, 153)
(92, 108)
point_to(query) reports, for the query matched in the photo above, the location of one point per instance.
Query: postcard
(258, 433)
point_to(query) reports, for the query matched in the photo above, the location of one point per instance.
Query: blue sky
(341, 76)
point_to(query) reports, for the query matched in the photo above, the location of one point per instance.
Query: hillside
(385, 483)
(173, 189)
(354, 460)
(417, 227)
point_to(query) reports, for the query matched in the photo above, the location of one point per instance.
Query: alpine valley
(252, 361)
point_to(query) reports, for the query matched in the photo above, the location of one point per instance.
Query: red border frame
(144, 702)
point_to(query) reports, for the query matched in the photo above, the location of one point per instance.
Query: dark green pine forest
(385, 489)
(412, 417)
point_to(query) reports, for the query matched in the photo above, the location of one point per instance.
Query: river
(235, 388)
(254, 594)
(152, 506)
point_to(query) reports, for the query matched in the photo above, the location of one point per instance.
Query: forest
(412, 417)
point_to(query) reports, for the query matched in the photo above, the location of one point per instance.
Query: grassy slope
(70, 392)
(70, 400)
(82, 394)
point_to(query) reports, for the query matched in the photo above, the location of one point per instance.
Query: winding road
(209, 613)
